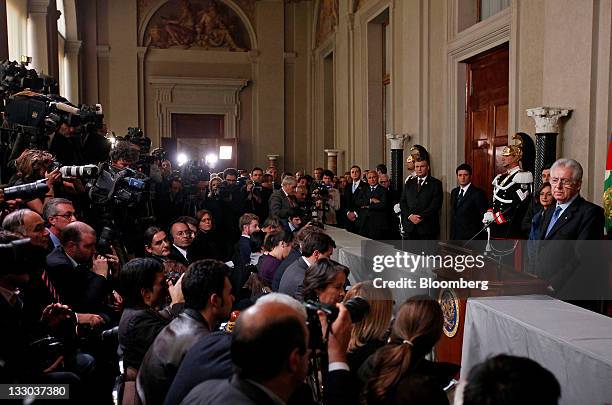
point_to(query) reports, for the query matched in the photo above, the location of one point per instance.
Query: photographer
(144, 288)
(19, 361)
(270, 353)
(32, 165)
(324, 282)
(256, 195)
(332, 204)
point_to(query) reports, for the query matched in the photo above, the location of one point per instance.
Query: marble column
(547, 121)
(272, 159)
(72, 49)
(397, 159)
(38, 47)
(332, 159)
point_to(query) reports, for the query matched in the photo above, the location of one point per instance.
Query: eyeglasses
(184, 233)
(67, 215)
(206, 220)
(563, 182)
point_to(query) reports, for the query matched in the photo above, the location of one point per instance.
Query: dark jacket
(280, 204)
(425, 202)
(210, 358)
(350, 203)
(163, 359)
(571, 267)
(372, 218)
(207, 245)
(78, 287)
(178, 256)
(291, 282)
(294, 254)
(467, 213)
(138, 328)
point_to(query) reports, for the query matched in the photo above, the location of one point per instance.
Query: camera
(21, 257)
(172, 277)
(357, 308)
(27, 191)
(74, 171)
(125, 187)
(104, 245)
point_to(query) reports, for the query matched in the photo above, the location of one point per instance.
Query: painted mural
(199, 24)
(327, 19)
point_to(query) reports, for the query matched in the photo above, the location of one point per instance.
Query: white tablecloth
(571, 342)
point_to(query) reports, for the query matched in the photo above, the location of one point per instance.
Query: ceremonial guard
(512, 190)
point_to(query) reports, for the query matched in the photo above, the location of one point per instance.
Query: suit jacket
(292, 279)
(372, 218)
(467, 213)
(178, 256)
(426, 202)
(280, 205)
(338, 391)
(569, 267)
(208, 359)
(163, 359)
(78, 287)
(350, 203)
(293, 255)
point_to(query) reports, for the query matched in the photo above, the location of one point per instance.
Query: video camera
(15, 77)
(126, 187)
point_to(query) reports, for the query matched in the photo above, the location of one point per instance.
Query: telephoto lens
(79, 171)
(26, 192)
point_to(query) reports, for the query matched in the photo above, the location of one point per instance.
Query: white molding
(199, 56)
(193, 95)
(38, 7)
(103, 51)
(72, 47)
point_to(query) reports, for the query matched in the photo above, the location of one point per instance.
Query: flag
(607, 196)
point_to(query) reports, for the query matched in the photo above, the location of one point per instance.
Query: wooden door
(486, 126)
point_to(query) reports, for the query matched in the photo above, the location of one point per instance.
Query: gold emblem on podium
(450, 309)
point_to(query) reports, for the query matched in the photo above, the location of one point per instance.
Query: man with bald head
(78, 275)
(270, 353)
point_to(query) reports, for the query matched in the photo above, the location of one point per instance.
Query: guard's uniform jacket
(511, 193)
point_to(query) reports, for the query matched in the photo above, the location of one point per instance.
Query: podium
(503, 280)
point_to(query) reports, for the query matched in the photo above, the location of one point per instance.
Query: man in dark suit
(249, 224)
(564, 265)
(421, 203)
(372, 209)
(79, 276)
(182, 238)
(316, 245)
(270, 351)
(281, 201)
(468, 204)
(350, 194)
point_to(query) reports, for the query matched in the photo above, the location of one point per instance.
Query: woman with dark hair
(277, 244)
(545, 200)
(398, 372)
(143, 288)
(208, 243)
(156, 243)
(324, 282)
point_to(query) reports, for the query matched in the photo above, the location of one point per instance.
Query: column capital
(72, 47)
(397, 140)
(333, 152)
(547, 118)
(273, 157)
(38, 6)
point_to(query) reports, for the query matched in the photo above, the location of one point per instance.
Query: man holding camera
(80, 277)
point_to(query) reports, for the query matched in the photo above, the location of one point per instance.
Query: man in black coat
(270, 351)
(372, 209)
(351, 192)
(468, 204)
(79, 276)
(208, 302)
(569, 267)
(421, 203)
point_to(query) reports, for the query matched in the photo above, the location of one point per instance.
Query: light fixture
(182, 159)
(211, 160)
(225, 152)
